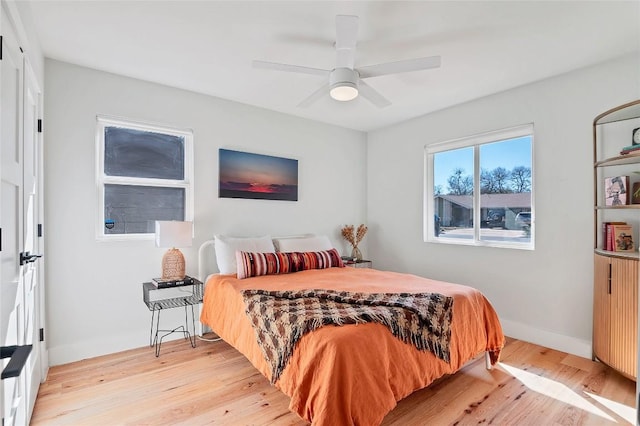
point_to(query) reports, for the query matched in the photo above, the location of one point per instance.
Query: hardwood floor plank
(214, 384)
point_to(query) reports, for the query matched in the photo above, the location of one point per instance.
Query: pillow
(302, 244)
(256, 264)
(226, 248)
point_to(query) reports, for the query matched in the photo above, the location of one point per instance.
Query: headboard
(206, 260)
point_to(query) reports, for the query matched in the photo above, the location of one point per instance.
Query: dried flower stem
(354, 239)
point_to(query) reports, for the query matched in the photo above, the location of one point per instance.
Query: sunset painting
(247, 175)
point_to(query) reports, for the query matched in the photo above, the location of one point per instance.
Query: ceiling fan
(344, 82)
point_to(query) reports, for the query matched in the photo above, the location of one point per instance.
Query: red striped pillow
(256, 264)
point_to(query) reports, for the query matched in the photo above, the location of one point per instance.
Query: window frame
(475, 141)
(102, 179)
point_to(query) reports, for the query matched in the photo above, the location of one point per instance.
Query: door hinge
(39, 125)
(42, 334)
(39, 230)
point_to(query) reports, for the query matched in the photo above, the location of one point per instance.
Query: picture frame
(623, 239)
(635, 193)
(256, 176)
(616, 189)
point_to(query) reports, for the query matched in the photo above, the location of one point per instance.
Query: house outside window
(479, 190)
(144, 174)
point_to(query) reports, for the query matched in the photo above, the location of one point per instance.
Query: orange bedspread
(353, 374)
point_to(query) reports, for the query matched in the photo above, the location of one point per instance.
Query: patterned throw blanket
(281, 318)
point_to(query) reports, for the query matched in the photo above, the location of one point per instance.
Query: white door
(11, 219)
(20, 293)
(31, 273)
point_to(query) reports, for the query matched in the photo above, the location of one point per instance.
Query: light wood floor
(214, 384)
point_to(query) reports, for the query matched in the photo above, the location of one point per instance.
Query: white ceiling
(208, 46)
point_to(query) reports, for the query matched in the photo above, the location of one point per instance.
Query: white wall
(543, 296)
(94, 303)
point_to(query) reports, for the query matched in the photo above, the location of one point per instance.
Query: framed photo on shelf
(615, 190)
(635, 193)
(623, 238)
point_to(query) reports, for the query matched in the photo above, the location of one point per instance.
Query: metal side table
(158, 299)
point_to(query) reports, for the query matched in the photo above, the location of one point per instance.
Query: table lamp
(173, 234)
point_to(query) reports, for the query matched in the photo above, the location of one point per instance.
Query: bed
(355, 373)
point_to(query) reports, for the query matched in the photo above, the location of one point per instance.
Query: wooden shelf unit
(616, 274)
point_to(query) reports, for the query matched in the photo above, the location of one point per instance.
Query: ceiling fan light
(344, 91)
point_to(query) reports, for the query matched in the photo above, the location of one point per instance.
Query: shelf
(627, 111)
(618, 160)
(620, 254)
(158, 302)
(625, 207)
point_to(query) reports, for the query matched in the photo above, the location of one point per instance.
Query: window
(144, 175)
(479, 190)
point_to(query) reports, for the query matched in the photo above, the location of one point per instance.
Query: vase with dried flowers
(353, 237)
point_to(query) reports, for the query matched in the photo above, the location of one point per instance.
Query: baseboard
(64, 354)
(547, 338)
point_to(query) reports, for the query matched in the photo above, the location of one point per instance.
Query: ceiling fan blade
(399, 67)
(322, 91)
(289, 68)
(372, 95)
(346, 35)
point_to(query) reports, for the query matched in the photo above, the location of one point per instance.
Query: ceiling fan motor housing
(343, 84)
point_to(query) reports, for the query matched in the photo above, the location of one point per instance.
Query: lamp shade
(173, 233)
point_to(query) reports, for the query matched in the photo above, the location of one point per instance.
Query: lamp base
(173, 265)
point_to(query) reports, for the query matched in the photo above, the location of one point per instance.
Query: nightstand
(358, 263)
(159, 299)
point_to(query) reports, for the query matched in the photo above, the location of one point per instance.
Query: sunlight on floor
(557, 390)
(627, 413)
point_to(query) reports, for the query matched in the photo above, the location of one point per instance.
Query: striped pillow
(256, 264)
